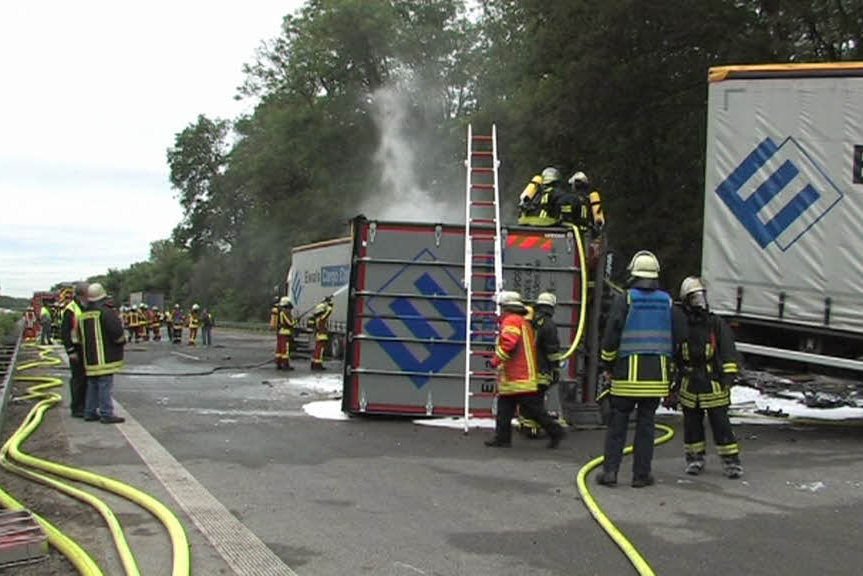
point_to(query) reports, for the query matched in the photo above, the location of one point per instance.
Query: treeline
(362, 106)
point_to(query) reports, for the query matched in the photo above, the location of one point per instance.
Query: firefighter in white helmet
(581, 205)
(321, 323)
(707, 365)
(518, 379)
(194, 322)
(284, 326)
(637, 350)
(538, 203)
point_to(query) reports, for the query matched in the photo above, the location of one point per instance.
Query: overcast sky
(93, 93)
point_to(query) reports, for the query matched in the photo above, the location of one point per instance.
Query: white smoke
(399, 195)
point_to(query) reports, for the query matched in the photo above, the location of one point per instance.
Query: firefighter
(547, 351)
(45, 324)
(538, 203)
(707, 362)
(284, 330)
(581, 206)
(518, 380)
(101, 335)
(156, 323)
(194, 323)
(29, 324)
(177, 322)
(321, 317)
(72, 343)
(143, 322)
(169, 327)
(134, 322)
(637, 350)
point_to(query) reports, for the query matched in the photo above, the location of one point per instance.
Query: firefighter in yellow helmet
(538, 202)
(284, 330)
(707, 365)
(637, 350)
(321, 318)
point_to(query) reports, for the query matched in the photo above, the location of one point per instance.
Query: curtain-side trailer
(783, 213)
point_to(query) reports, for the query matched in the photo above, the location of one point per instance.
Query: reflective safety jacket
(516, 353)
(69, 327)
(194, 319)
(637, 345)
(321, 316)
(101, 334)
(285, 322)
(707, 361)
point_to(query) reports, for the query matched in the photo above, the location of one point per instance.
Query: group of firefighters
(143, 323)
(283, 322)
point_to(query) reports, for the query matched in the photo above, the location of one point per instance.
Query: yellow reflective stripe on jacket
(730, 368)
(609, 356)
(105, 369)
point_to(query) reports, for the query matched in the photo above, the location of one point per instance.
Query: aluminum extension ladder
(483, 265)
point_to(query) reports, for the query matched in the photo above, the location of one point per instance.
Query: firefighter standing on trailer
(581, 206)
(518, 378)
(29, 324)
(45, 322)
(707, 365)
(320, 318)
(284, 327)
(637, 350)
(538, 202)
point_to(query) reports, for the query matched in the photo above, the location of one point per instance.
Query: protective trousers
(615, 437)
(77, 385)
(283, 358)
(694, 435)
(530, 406)
(318, 356)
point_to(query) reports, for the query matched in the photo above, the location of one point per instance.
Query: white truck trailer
(783, 212)
(319, 270)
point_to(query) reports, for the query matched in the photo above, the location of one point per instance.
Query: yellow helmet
(643, 265)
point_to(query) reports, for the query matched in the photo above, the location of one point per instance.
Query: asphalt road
(263, 488)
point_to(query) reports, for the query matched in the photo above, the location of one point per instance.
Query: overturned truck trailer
(406, 348)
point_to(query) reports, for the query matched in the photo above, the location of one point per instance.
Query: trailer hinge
(503, 235)
(438, 232)
(373, 228)
(827, 304)
(429, 405)
(781, 305)
(739, 299)
(570, 240)
(363, 402)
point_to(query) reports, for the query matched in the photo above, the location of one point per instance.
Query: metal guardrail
(8, 359)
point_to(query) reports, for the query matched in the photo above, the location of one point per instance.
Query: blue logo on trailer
(440, 349)
(296, 289)
(778, 193)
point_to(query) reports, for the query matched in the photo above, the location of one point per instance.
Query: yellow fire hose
(179, 540)
(579, 333)
(613, 531)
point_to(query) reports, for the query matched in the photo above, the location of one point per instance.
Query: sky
(93, 94)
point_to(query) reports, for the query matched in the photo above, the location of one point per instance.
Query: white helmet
(510, 299)
(550, 175)
(285, 301)
(96, 292)
(691, 285)
(643, 265)
(195, 307)
(546, 299)
(579, 178)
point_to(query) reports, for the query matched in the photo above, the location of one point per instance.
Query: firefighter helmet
(643, 265)
(579, 179)
(285, 301)
(195, 307)
(142, 306)
(510, 299)
(96, 292)
(550, 175)
(693, 293)
(546, 299)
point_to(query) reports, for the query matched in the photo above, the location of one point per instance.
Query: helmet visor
(697, 300)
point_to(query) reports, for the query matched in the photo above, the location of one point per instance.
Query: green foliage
(616, 88)
(11, 303)
(7, 326)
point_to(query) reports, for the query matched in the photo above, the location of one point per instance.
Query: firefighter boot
(731, 467)
(607, 478)
(694, 464)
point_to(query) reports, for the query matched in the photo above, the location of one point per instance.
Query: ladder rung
(484, 353)
(484, 332)
(484, 256)
(482, 137)
(484, 153)
(483, 170)
(484, 373)
(484, 274)
(483, 394)
(483, 220)
(482, 202)
(482, 238)
(483, 186)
